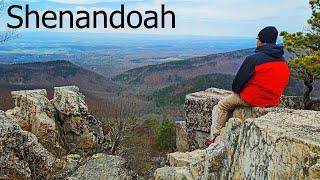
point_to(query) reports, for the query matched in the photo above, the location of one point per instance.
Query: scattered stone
(173, 173)
(179, 159)
(99, 166)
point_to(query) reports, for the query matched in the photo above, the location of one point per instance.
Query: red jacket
(263, 77)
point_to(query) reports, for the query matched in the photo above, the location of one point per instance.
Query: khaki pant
(223, 111)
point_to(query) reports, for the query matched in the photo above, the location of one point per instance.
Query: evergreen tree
(306, 47)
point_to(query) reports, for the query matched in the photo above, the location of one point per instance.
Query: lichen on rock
(35, 113)
(257, 143)
(21, 155)
(182, 136)
(98, 166)
(81, 131)
(69, 101)
(38, 135)
(63, 124)
(198, 107)
(283, 144)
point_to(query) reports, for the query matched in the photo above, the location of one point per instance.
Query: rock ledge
(257, 143)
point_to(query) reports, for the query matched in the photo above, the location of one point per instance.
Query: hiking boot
(208, 142)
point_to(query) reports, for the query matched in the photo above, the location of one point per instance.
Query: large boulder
(214, 167)
(37, 134)
(34, 113)
(193, 160)
(98, 166)
(198, 107)
(62, 125)
(81, 131)
(21, 155)
(286, 141)
(173, 173)
(283, 144)
(69, 101)
(257, 143)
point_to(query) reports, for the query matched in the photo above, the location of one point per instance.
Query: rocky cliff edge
(57, 139)
(257, 143)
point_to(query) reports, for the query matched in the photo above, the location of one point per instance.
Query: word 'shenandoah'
(25, 17)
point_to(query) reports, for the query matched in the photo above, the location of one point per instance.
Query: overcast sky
(200, 17)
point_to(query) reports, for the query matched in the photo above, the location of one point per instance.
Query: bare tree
(120, 129)
(6, 34)
(121, 126)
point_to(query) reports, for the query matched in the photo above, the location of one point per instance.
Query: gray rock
(173, 173)
(69, 101)
(182, 137)
(64, 121)
(35, 113)
(257, 143)
(99, 166)
(22, 156)
(244, 113)
(62, 125)
(215, 162)
(296, 102)
(179, 159)
(292, 102)
(82, 132)
(283, 144)
(198, 107)
(198, 139)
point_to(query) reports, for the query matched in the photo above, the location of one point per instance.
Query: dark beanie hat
(268, 35)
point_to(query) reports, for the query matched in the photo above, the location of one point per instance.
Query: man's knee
(227, 103)
(221, 105)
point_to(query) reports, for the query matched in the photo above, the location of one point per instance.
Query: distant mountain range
(171, 81)
(175, 94)
(178, 71)
(53, 73)
(48, 75)
(162, 85)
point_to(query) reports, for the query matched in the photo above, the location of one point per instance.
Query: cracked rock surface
(57, 139)
(257, 143)
(63, 125)
(21, 155)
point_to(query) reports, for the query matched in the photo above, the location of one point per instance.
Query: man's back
(263, 77)
(261, 80)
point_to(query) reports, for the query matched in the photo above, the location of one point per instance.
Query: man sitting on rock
(260, 82)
